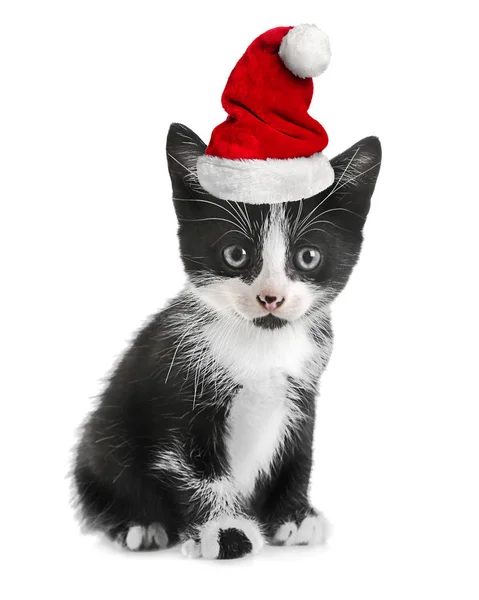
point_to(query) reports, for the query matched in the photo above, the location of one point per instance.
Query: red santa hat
(270, 149)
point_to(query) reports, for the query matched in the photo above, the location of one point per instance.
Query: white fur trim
(305, 51)
(265, 181)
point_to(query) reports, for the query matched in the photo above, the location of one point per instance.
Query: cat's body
(205, 430)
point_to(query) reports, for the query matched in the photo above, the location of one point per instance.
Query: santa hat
(270, 149)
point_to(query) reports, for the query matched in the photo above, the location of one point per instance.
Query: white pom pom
(305, 51)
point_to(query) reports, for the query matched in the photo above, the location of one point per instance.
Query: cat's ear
(183, 148)
(355, 173)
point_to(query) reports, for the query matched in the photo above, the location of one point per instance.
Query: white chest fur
(251, 354)
(261, 414)
(258, 422)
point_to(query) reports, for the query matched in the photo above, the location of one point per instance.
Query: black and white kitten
(204, 432)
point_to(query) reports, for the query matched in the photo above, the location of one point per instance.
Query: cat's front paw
(312, 528)
(226, 537)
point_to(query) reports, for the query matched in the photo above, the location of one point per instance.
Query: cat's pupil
(308, 256)
(237, 253)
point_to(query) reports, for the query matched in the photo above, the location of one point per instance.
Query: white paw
(286, 533)
(152, 536)
(226, 537)
(191, 549)
(313, 530)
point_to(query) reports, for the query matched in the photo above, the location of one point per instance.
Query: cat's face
(271, 263)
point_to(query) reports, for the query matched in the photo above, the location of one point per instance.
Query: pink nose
(270, 303)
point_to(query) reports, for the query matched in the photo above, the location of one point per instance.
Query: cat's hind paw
(313, 529)
(139, 537)
(224, 538)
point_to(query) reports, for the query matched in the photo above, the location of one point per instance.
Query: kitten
(204, 432)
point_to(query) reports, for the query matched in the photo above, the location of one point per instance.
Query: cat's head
(271, 263)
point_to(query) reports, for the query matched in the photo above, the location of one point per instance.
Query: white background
(88, 90)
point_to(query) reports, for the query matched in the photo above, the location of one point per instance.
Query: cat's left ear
(183, 148)
(355, 174)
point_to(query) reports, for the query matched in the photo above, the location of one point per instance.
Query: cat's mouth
(270, 322)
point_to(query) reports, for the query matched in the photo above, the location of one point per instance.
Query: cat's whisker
(242, 231)
(314, 229)
(343, 210)
(358, 175)
(226, 233)
(236, 207)
(177, 348)
(309, 228)
(182, 165)
(298, 216)
(341, 186)
(334, 188)
(239, 223)
(318, 220)
(198, 262)
(244, 210)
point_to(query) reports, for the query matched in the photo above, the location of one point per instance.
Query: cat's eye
(235, 256)
(307, 259)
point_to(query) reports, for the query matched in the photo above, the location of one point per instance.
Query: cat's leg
(216, 526)
(141, 520)
(284, 508)
(288, 517)
(215, 523)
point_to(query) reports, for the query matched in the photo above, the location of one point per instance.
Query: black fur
(149, 395)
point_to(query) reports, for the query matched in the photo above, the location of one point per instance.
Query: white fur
(260, 419)
(313, 530)
(156, 535)
(268, 181)
(305, 51)
(274, 245)
(285, 532)
(153, 535)
(252, 356)
(191, 549)
(171, 459)
(218, 496)
(134, 537)
(208, 546)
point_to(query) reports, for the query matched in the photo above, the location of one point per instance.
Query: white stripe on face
(272, 279)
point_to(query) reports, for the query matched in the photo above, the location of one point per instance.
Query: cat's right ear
(356, 171)
(183, 148)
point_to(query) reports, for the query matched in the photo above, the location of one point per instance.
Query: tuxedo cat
(204, 432)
